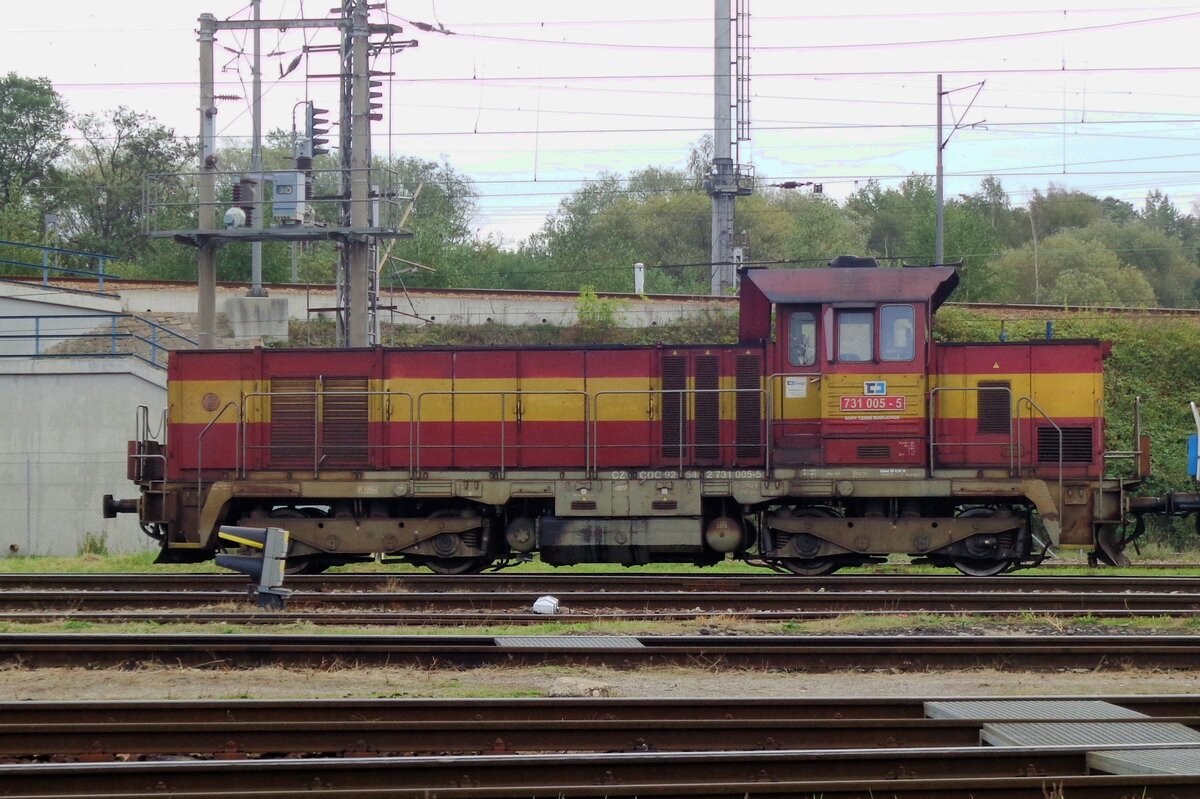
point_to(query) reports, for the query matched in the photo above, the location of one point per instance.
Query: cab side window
(855, 335)
(802, 339)
(897, 327)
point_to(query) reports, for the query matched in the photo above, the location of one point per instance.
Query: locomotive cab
(850, 360)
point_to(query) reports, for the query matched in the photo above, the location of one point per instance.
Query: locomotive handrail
(1034, 406)
(503, 395)
(1135, 453)
(774, 380)
(650, 393)
(933, 416)
(200, 447)
(243, 421)
(141, 424)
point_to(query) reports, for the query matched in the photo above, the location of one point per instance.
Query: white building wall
(63, 447)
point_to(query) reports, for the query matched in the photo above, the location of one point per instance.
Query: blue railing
(100, 272)
(47, 331)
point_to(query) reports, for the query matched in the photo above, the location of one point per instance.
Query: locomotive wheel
(457, 565)
(814, 567)
(451, 565)
(300, 564)
(978, 563)
(811, 567)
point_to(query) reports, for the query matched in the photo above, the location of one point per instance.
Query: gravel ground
(280, 683)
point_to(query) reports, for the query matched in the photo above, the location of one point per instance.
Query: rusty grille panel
(994, 410)
(1076, 445)
(708, 407)
(674, 405)
(875, 451)
(345, 413)
(749, 406)
(293, 421)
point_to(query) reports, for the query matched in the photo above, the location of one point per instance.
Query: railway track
(555, 748)
(428, 600)
(1112, 581)
(100, 731)
(783, 653)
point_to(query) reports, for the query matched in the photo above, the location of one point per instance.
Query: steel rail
(222, 739)
(560, 709)
(792, 653)
(629, 604)
(622, 581)
(97, 741)
(981, 771)
(484, 619)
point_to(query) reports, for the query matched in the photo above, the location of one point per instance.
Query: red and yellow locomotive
(835, 432)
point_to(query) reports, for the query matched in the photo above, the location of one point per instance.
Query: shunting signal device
(266, 569)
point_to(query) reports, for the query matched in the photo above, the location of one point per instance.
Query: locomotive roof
(871, 284)
(763, 287)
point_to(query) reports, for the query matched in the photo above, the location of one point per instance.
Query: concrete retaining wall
(62, 448)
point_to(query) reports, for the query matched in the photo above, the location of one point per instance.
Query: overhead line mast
(728, 178)
(368, 196)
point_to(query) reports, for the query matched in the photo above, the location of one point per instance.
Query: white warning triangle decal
(996, 365)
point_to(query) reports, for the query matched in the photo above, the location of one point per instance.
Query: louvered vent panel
(293, 421)
(344, 417)
(674, 406)
(1076, 445)
(708, 407)
(749, 406)
(875, 451)
(994, 410)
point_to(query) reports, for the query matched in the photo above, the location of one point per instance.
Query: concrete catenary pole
(256, 287)
(939, 240)
(359, 180)
(723, 187)
(206, 266)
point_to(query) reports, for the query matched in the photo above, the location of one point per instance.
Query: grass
(848, 624)
(91, 563)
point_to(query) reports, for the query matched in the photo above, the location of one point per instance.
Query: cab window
(855, 335)
(802, 339)
(897, 324)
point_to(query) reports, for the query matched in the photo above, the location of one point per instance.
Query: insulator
(246, 195)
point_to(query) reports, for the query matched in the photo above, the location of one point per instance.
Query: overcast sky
(531, 98)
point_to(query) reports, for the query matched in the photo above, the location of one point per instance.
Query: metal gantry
(367, 196)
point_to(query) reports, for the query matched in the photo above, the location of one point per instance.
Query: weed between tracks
(731, 624)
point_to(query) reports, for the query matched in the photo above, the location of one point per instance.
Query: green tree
(972, 239)
(1061, 208)
(900, 222)
(100, 196)
(32, 121)
(1161, 214)
(1071, 269)
(440, 223)
(1156, 254)
(813, 227)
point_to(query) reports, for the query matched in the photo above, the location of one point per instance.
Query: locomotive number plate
(873, 403)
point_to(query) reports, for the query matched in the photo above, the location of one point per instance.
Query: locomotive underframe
(844, 514)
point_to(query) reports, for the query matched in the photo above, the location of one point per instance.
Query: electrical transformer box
(291, 204)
